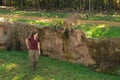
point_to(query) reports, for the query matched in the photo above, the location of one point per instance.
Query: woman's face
(36, 35)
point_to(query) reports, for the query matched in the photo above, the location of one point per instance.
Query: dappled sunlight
(9, 66)
(116, 15)
(43, 20)
(37, 77)
(18, 77)
(56, 16)
(95, 31)
(12, 19)
(2, 19)
(118, 1)
(101, 26)
(90, 32)
(101, 31)
(18, 13)
(100, 14)
(7, 7)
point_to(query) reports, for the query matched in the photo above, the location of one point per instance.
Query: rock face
(68, 47)
(4, 37)
(64, 46)
(105, 52)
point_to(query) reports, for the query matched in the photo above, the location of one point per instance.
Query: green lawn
(100, 31)
(36, 14)
(101, 17)
(95, 17)
(50, 24)
(14, 65)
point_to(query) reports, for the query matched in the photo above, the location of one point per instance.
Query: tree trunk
(89, 6)
(1, 3)
(21, 3)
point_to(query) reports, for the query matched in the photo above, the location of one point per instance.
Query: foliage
(79, 5)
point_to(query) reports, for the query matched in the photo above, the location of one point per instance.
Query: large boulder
(4, 36)
(106, 53)
(67, 46)
(75, 48)
(71, 47)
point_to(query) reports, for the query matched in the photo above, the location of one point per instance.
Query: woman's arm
(27, 43)
(39, 47)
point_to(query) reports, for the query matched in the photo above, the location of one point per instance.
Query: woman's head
(34, 34)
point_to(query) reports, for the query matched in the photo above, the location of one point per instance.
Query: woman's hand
(39, 52)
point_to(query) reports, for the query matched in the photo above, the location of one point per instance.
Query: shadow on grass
(106, 18)
(47, 14)
(2, 11)
(35, 14)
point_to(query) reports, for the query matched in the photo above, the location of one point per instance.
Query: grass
(95, 17)
(34, 22)
(100, 31)
(101, 17)
(14, 65)
(91, 31)
(35, 13)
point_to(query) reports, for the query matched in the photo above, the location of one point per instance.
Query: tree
(80, 5)
(89, 6)
(1, 3)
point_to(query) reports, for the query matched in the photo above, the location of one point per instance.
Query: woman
(33, 44)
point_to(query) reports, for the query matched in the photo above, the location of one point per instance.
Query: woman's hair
(33, 34)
